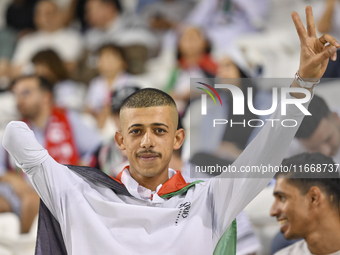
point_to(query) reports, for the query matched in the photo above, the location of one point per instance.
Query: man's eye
(135, 131)
(282, 198)
(160, 130)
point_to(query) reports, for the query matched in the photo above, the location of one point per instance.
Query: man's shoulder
(299, 247)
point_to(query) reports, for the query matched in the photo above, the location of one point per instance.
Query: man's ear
(179, 138)
(120, 140)
(315, 196)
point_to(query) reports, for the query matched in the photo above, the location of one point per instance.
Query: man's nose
(274, 211)
(147, 140)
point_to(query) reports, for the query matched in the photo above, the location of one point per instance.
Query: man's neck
(326, 239)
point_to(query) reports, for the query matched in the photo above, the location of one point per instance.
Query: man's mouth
(148, 156)
(283, 222)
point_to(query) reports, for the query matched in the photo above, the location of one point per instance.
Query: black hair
(44, 84)
(148, 97)
(114, 48)
(120, 95)
(52, 60)
(313, 169)
(319, 110)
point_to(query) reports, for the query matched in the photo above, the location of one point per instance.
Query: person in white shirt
(109, 23)
(152, 213)
(49, 35)
(307, 205)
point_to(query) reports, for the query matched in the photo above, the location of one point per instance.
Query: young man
(155, 211)
(307, 205)
(319, 132)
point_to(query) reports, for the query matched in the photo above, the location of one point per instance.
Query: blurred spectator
(329, 23)
(19, 16)
(67, 93)
(193, 60)
(61, 132)
(225, 20)
(108, 23)
(112, 67)
(307, 205)
(165, 14)
(50, 34)
(319, 132)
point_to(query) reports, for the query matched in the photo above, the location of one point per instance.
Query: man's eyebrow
(153, 124)
(279, 193)
(159, 124)
(135, 125)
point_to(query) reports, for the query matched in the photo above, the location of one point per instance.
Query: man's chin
(290, 236)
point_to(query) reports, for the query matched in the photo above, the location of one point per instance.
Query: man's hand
(315, 52)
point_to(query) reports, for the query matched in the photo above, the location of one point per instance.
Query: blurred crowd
(66, 66)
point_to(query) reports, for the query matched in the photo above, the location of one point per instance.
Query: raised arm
(49, 178)
(233, 191)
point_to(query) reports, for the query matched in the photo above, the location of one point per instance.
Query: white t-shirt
(65, 42)
(299, 248)
(95, 220)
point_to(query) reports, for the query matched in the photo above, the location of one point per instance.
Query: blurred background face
(47, 16)
(227, 69)
(192, 42)
(110, 62)
(326, 137)
(29, 97)
(98, 14)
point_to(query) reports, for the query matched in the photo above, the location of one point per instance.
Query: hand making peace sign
(315, 52)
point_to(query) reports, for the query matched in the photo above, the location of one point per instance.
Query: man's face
(110, 62)
(99, 14)
(326, 137)
(47, 16)
(192, 42)
(291, 209)
(149, 135)
(29, 97)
